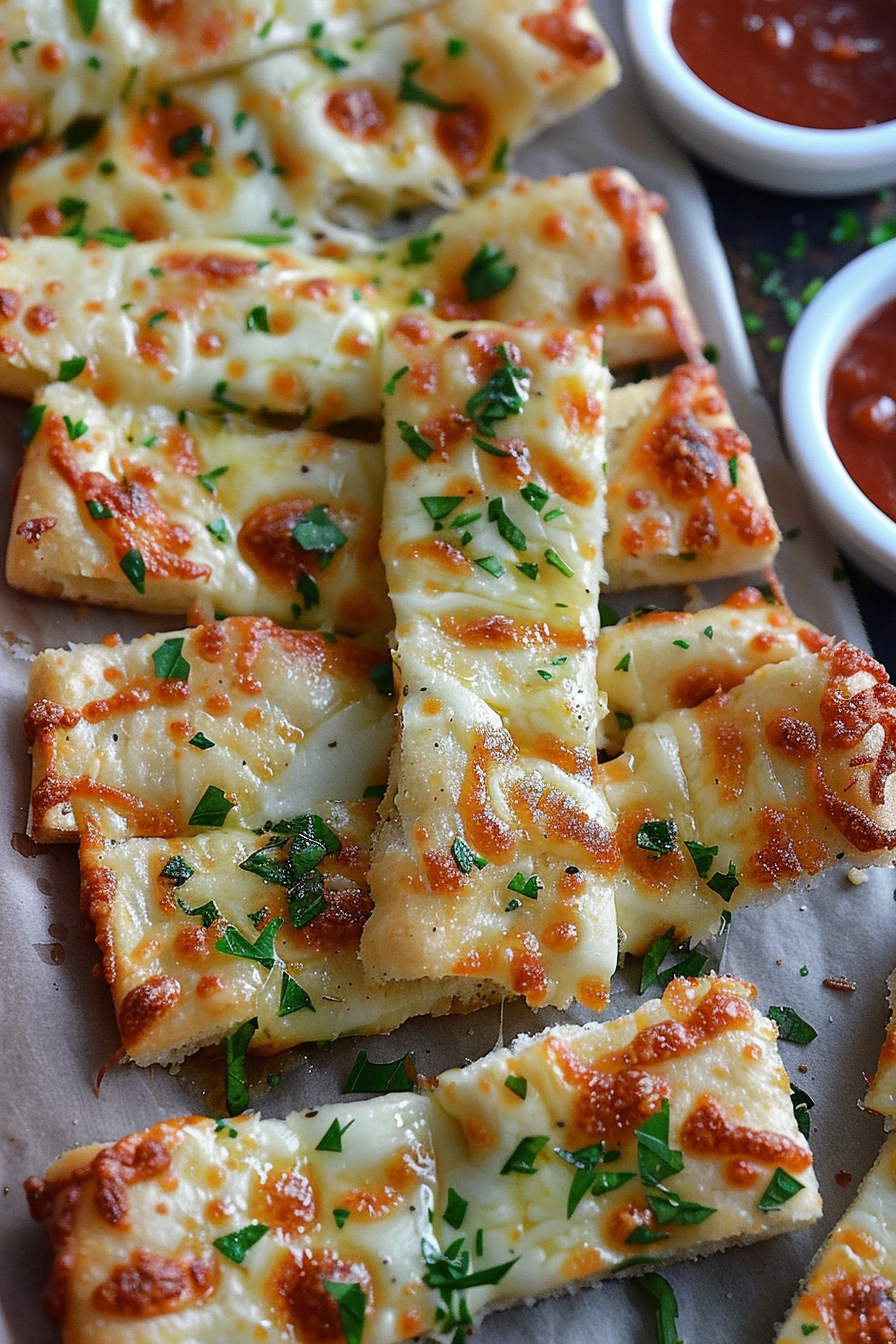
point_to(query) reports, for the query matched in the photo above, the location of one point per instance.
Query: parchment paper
(56, 1021)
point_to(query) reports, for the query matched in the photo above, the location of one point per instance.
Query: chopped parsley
(218, 529)
(177, 871)
(220, 398)
(802, 1104)
(624, 663)
(33, 421)
(409, 91)
(504, 394)
(71, 368)
(306, 840)
(535, 496)
(702, 856)
(236, 1244)
(315, 531)
(499, 161)
(554, 559)
(454, 47)
(212, 808)
(524, 886)
(207, 479)
(587, 1177)
(487, 273)
(257, 319)
(659, 837)
(293, 998)
(420, 249)
(792, 1027)
(725, 884)
(97, 510)
(236, 1086)
(666, 1307)
(201, 741)
(410, 435)
(439, 506)
(133, 567)
(341, 1217)
(654, 958)
(332, 1140)
(393, 382)
(383, 678)
(352, 1302)
(780, 1188)
(491, 565)
(233, 944)
(522, 1158)
(169, 661)
(455, 1209)
(366, 1076)
(507, 528)
(448, 1272)
(518, 1085)
(208, 912)
(87, 11)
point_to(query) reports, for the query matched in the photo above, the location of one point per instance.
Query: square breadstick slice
(354, 133)
(203, 1231)
(654, 661)
(226, 724)
(572, 251)
(61, 62)
(489, 860)
(190, 954)
(850, 1292)
(755, 789)
(684, 495)
(209, 327)
(668, 1133)
(213, 507)
(554, 1171)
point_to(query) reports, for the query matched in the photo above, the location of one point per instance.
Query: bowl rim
(841, 307)
(647, 22)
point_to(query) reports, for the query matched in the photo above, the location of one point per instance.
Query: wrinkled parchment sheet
(56, 1020)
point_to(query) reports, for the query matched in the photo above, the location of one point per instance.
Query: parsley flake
(316, 531)
(169, 662)
(177, 871)
(212, 808)
(792, 1027)
(410, 435)
(133, 567)
(207, 479)
(293, 998)
(779, 1190)
(518, 1085)
(524, 1154)
(393, 382)
(257, 319)
(455, 1209)
(71, 368)
(659, 837)
(487, 273)
(201, 741)
(236, 1244)
(236, 1085)
(366, 1076)
(332, 1140)
(352, 1302)
(409, 91)
(233, 944)
(97, 509)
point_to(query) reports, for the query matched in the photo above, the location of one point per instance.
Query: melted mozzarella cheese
(295, 720)
(173, 987)
(493, 514)
(686, 499)
(320, 356)
(881, 1094)
(53, 71)
(662, 660)
(212, 506)
(135, 1223)
(329, 133)
(782, 777)
(851, 1288)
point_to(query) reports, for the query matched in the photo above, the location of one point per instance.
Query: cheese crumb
(857, 876)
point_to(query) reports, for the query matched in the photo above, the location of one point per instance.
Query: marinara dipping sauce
(829, 64)
(862, 408)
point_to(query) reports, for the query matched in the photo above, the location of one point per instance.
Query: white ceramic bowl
(792, 159)
(844, 304)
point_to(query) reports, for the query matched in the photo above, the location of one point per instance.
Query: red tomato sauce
(862, 408)
(829, 64)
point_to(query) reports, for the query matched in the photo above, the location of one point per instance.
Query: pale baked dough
(295, 720)
(329, 133)
(212, 506)
(52, 72)
(684, 497)
(570, 239)
(785, 775)
(175, 992)
(492, 769)
(135, 1223)
(850, 1292)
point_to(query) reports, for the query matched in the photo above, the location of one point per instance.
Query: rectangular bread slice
(654, 661)
(57, 66)
(214, 507)
(850, 1291)
(353, 132)
(234, 724)
(492, 524)
(190, 954)
(684, 498)
(314, 339)
(767, 784)
(558, 1161)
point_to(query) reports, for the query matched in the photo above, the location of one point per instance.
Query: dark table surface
(780, 249)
